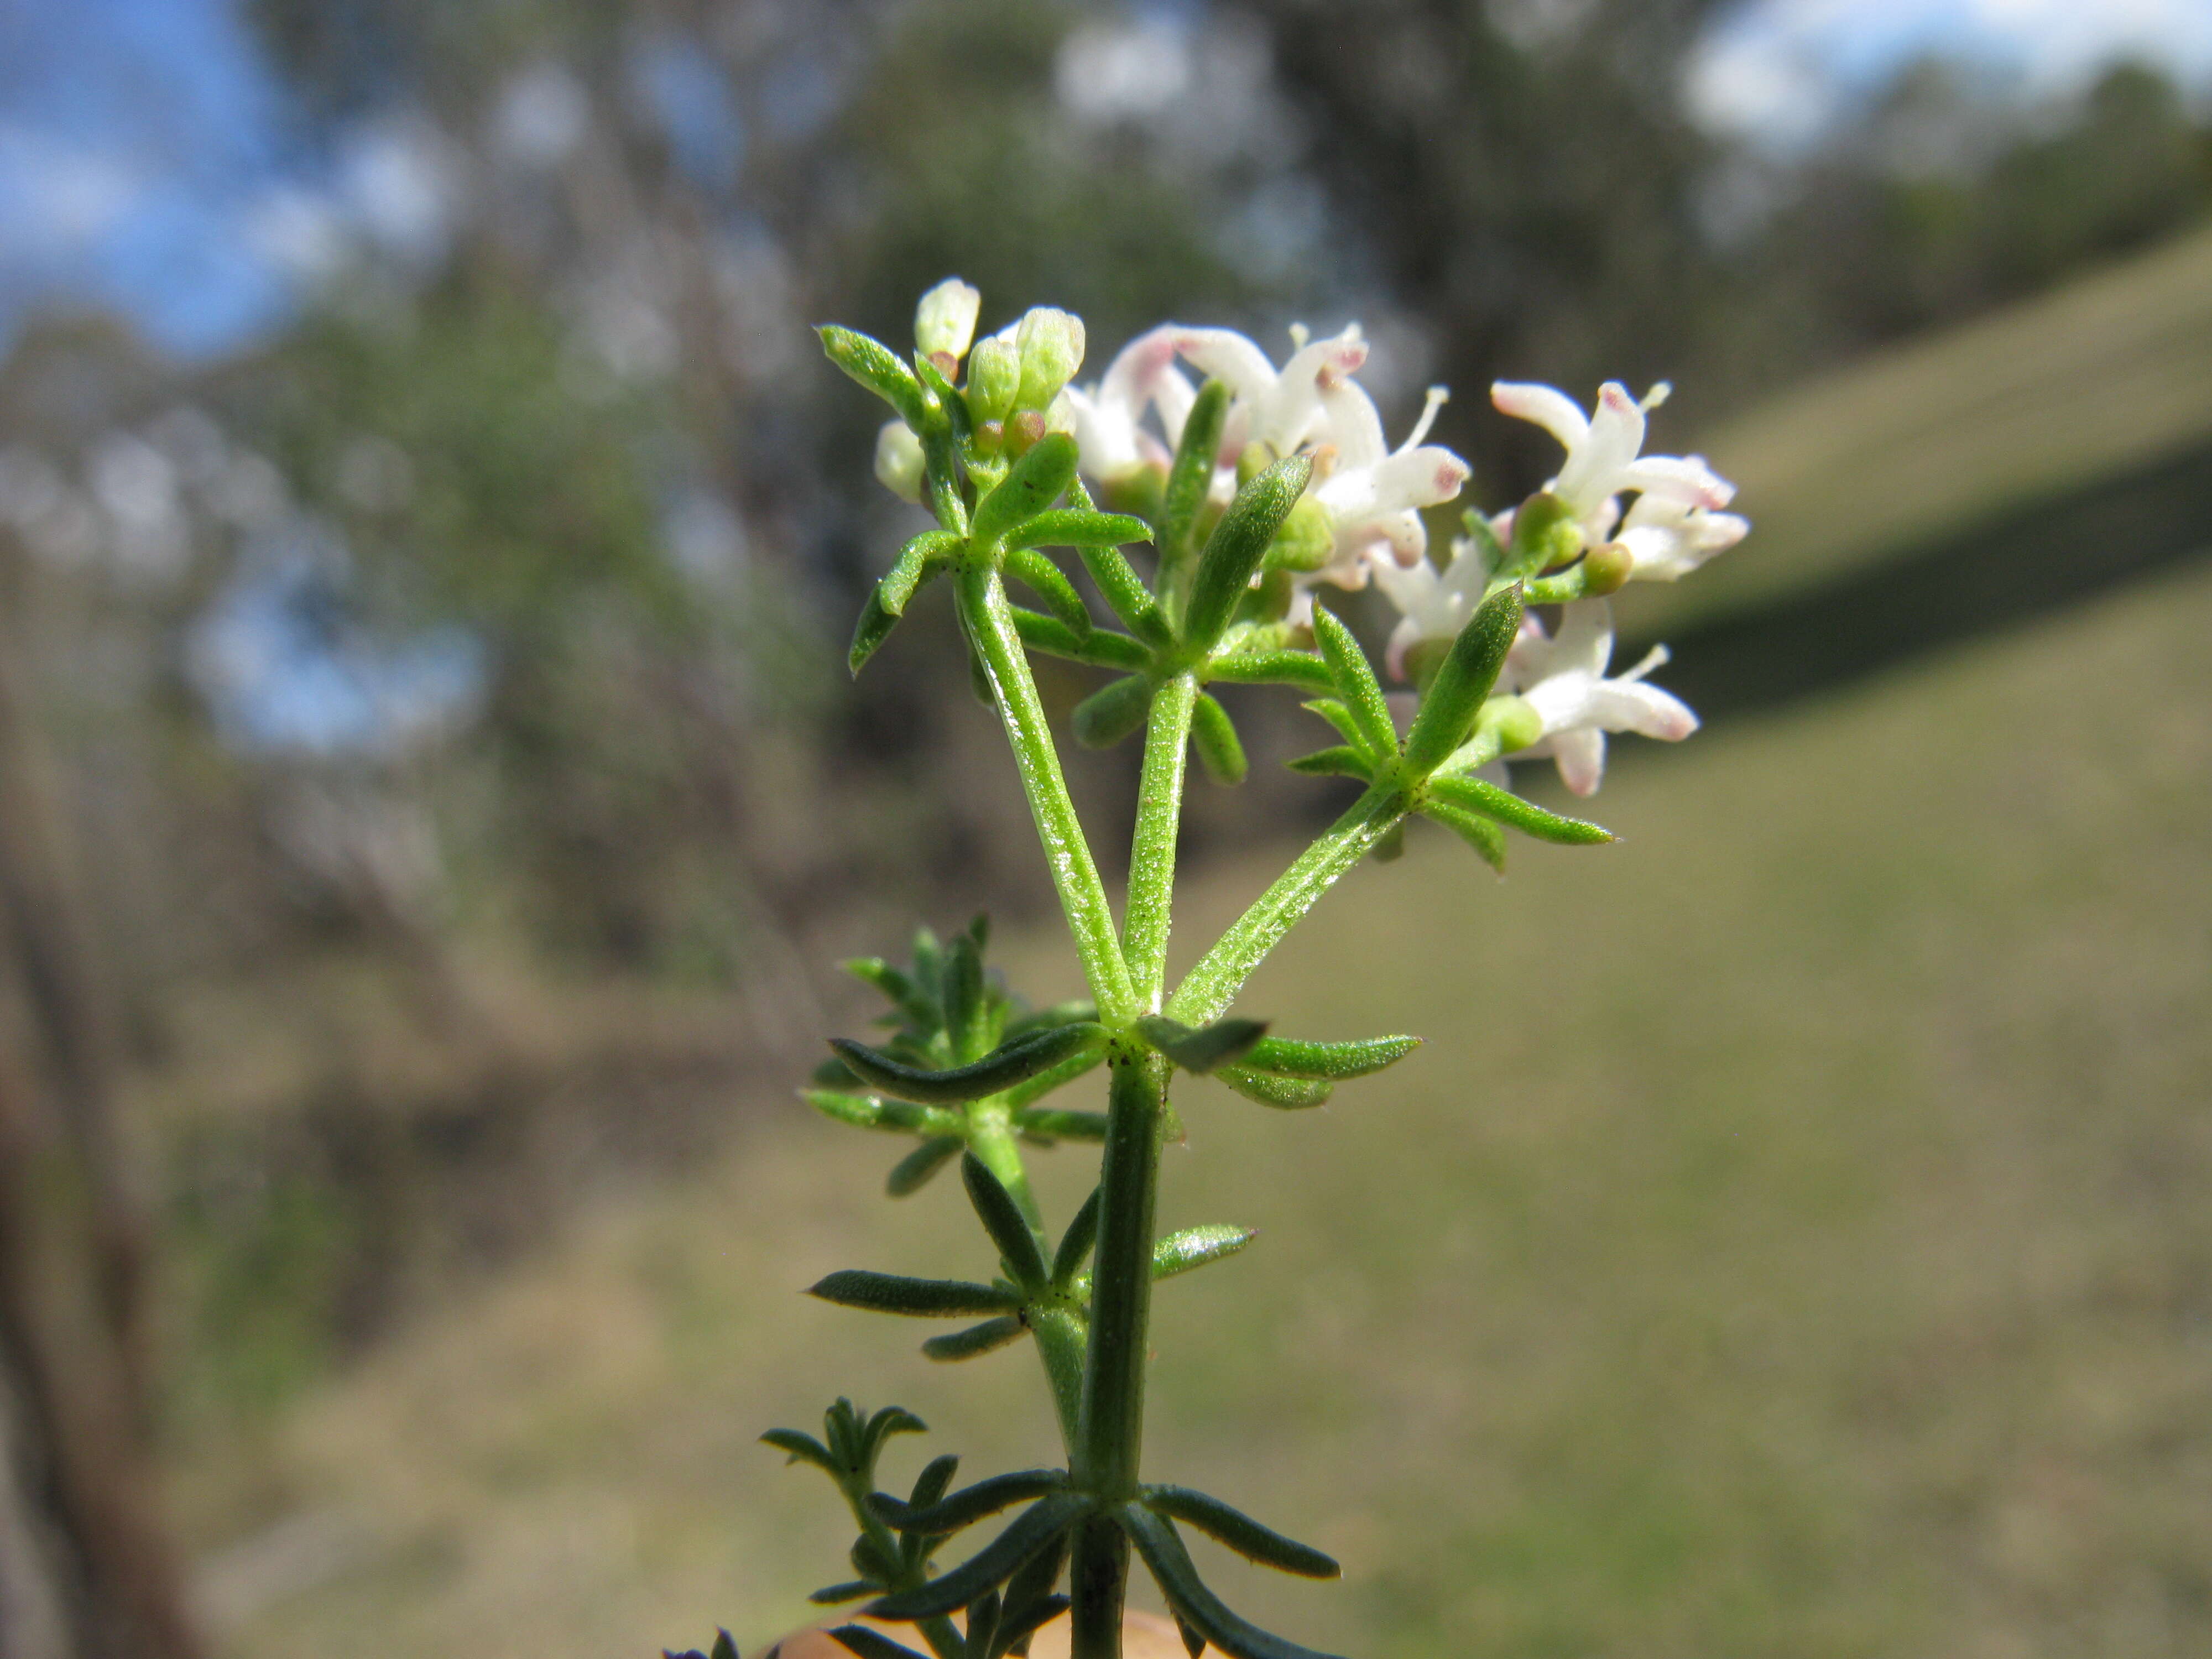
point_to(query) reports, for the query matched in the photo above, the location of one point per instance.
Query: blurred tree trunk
(86, 1572)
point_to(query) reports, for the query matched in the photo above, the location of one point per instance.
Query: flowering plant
(1254, 488)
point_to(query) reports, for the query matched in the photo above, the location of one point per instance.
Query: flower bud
(944, 321)
(1545, 534)
(1022, 432)
(1307, 540)
(994, 375)
(1513, 721)
(1606, 569)
(898, 460)
(1051, 346)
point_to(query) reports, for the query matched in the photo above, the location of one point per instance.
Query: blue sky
(144, 166)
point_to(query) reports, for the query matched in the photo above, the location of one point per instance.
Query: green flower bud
(1606, 569)
(1307, 539)
(944, 321)
(994, 375)
(1022, 432)
(1513, 720)
(1050, 342)
(1252, 460)
(1545, 535)
(898, 460)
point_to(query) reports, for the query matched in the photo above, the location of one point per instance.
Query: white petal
(1228, 357)
(1632, 706)
(1584, 641)
(1581, 757)
(1351, 423)
(1594, 467)
(1678, 478)
(1416, 478)
(1549, 408)
(1285, 416)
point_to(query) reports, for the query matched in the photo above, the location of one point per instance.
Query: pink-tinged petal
(1563, 700)
(1415, 478)
(1173, 395)
(1136, 368)
(1403, 638)
(1583, 644)
(1657, 553)
(1593, 466)
(1549, 408)
(1412, 589)
(1350, 422)
(1632, 706)
(1228, 357)
(1581, 757)
(1105, 434)
(1285, 415)
(1684, 478)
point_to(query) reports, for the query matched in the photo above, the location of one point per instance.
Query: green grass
(1794, 1241)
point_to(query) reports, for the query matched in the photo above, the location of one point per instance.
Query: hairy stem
(1153, 850)
(1208, 990)
(989, 621)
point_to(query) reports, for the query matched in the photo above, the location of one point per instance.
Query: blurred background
(431, 807)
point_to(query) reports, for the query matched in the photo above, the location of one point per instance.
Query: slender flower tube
(1108, 419)
(1603, 457)
(1563, 677)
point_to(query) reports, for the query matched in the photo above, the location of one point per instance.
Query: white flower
(1564, 680)
(1602, 458)
(1108, 419)
(1282, 407)
(899, 462)
(944, 319)
(1374, 493)
(1433, 604)
(1667, 539)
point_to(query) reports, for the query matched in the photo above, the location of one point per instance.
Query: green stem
(991, 1138)
(1111, 1445)
(1159, 819)
(1208, 990)
(1059, 1331)
(989, 621)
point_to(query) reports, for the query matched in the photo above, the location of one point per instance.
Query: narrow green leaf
(964, 1508)
(919, 1167)
(1076, 1242)
(1479, 832)
(976, 1341)
(1477, 795)
(1339, 761)
(1237, 545)
(1333, 710)
(1328, 1061)
(833, 1074)
(1055, 1076)
(1218, 1044)
(918, 1007)
(1003, 1220)
(1077, 526)
(876, 366)
(1045, 1123)
(724, 1647)
(1194, 1247)
(1194, 1640)
(1045, 579)
(892, 1419)
(1213, 735)
(1357, 685)
(1126, 596)
(1071, 1012)
(873, 1643)
(1297, 668)
(1031, 484)
(1240, 1532)
(917, 1298)
(873, 1112)
(966, 1007)
(802, 1447)
(876, 623)
(1113, 712)
(1101, 648)
(852, 1590)
(1190, 476)
(1286, 1094)
(1015, 1629)
(1034, 1529)
(1469, 670)
(1002, 1069)
(1164, 1551)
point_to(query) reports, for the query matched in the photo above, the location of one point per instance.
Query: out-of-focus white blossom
(1433, 604)
(945, 320)
(1667, 538)
(1563, 677)
(1603, 458)
(1108, 419)
(1374, 494)
(899, 463)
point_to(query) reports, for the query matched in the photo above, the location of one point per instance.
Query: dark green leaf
(920, 1007)
(1031, 484)
(1213, 734)
(1101, 648)
(1071, 1012)
(1054, 1078)
(892, 1419)
(1035, 1529)
(969, 1504)
(874, 627)
(1476, 795)
(1113, 712)
(1190, 476)
(1003, 1220)
(1469, 670)
(1125, 594)
(976, 1341)
(1339, 761)
(872, 1643)
(723, 1648)
(1306, 672)
(1076, 1243)
(1162, 1549)
(919, 1167)
(933, 1480)
(1045, 579)
(1479, 832)
(918, 1298)
(833, 1074)
(802, 1449)
(1194, 1247)
(1240, 1532)
(967, 1009)
(1237, 545)
(876, 366)
(1287, 1094)
(1218, 1044)
(1076, 527)
(1194, 1641)
(851, 1590)
(1047, 1123)
(1357, 685)
(1332, 1061)
(1008, 1063)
